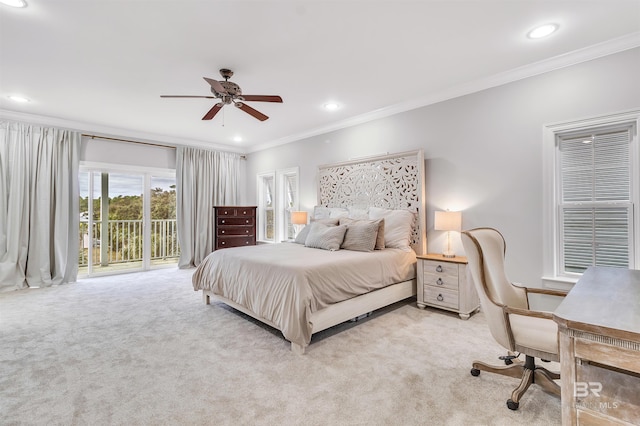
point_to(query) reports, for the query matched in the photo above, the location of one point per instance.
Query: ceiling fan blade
(215, 84)
(213, 111)
(262, 98)
(253, 112)
(186, 96)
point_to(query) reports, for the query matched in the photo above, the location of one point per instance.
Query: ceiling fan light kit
(229, 93)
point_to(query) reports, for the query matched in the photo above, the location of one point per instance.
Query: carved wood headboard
(394, 181)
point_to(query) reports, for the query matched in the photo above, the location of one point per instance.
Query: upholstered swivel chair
(512, 324)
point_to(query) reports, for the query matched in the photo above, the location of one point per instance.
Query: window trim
(550, 220)
(279, 201)
(261, 205)
(282, 174)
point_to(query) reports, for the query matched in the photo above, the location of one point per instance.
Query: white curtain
(204, 179)
(38, 206)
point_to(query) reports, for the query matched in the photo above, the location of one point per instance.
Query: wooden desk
(599, 332)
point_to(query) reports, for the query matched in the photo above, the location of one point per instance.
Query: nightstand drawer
(441, 297)
(440, 268)
(441, 281)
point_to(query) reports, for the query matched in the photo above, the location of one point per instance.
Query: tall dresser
(235, 226)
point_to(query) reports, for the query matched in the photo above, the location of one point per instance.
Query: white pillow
(325, 237)
(358, 213)
(320, 212)
(397, 226)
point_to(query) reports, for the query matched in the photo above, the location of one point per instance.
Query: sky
(123, 184)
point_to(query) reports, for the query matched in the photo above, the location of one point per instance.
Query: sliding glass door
(127, 221)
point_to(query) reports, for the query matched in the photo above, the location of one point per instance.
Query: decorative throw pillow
(361, 235)
(398, 225)
(325, 237)
(379, 245)
(302, 235)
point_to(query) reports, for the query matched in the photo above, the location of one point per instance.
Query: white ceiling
(101, 65)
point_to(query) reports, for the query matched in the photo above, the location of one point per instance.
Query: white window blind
(596, 205)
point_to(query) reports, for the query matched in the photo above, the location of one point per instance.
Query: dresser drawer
(235, 230)
(246, 221)
(441, 297)
(234, 211)
(234, 241)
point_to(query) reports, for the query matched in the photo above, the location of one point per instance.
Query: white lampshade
(299, 218)
(448, 221)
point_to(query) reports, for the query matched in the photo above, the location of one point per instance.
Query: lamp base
(448, 253)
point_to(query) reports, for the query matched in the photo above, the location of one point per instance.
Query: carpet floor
(143, 349)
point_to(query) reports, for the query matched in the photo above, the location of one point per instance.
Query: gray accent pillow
(360, 236)
(302, 235)
(379, 235)
(325, 237)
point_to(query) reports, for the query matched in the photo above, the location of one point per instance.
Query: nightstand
(443, 283)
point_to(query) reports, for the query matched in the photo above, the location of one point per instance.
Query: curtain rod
(127, 140)
(243, 157)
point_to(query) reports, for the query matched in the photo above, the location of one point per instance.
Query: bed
(299, 289)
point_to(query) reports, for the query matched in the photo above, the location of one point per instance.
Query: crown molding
(596, 51)
(100, 130)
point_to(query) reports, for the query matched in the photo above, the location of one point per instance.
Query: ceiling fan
(230, 93)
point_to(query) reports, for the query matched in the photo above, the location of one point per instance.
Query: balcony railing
(124, 241)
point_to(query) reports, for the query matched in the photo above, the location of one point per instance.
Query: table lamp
(298, 218)
(448, 221)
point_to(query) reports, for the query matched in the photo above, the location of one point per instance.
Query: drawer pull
(222, 221)
(247, 231)
(225, 212)
(244, 212)
(247, 221)
(439, 282)
(247, 242)
(222, 243)
(440, 298)
(222, 232)
(438, 268)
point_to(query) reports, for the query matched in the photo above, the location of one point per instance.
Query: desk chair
(512, 324)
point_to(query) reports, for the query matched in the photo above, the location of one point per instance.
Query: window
(266, 207)
(127, 219)
(277, 198)
(592, 216)
(289, 183)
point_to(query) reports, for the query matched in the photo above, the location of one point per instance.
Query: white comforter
(285, 283)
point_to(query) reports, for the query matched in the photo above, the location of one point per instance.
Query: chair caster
(512, 405)
(475, 372)
(508, 362)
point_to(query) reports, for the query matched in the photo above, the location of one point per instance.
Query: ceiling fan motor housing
(233, 90)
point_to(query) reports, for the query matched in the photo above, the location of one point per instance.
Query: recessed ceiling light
(237, 139)
(14, 3)
(542, 31)
(17, 98)
(331, 106)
